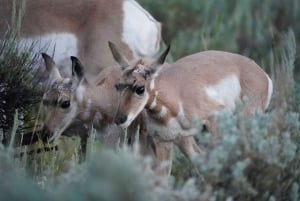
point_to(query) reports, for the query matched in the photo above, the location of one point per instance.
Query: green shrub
(18, 89)
(250, 27)
(255, 158)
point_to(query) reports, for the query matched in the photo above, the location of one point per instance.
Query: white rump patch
(270, 91)
(60, 45)
(226, 92)
(141, 32)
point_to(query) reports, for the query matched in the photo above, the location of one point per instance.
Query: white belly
(169, 132)
(61, 46)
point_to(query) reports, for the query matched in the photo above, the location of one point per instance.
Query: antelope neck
(95, 106)
(156, 107)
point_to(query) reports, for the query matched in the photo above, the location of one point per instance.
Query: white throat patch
(154, 102)
(87, 111)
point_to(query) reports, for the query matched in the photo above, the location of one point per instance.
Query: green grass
(256, 158)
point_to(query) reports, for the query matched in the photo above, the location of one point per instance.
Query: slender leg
(212, 126)
(188, 146)
(163, 160)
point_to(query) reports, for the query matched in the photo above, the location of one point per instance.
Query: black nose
(120, 119)
(45, 134)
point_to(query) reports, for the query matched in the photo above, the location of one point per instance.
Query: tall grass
(256, 158)
(18, 89)
(250, 27)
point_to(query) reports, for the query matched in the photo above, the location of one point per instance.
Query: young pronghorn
(196, 86)
(67, 100)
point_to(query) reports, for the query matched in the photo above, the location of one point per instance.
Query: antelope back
(81, 28)
(195, 86)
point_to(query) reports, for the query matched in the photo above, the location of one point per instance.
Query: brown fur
(197, 71)
(93, 22)
(185, 82)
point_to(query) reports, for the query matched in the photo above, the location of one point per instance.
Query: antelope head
(134, 84)
(61, 96)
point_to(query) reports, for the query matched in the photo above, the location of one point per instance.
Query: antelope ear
(77, 70)
(158, 63)
(51, 68)
(118, 57)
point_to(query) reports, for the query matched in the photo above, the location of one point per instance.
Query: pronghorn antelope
(70, 99)
(82, 28)
(196, 86)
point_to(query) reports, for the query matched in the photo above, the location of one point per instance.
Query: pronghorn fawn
(195, 86)
(81, 28)
(69, 100)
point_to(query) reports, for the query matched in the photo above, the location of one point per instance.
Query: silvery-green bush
(255, 158)
(249, 27)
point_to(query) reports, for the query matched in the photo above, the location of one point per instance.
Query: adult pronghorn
(196, 86)
(82, 28)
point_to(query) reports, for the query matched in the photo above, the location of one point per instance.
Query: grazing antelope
(70, 99)
(82, 28)
(195, 86)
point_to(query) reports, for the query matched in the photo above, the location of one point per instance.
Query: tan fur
(103, 100)
(92, 102)
(181, 93)
(197, 71)
(93, 22)
(205, 69)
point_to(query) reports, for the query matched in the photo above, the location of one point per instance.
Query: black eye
(65, 104)
(45, 102)
(140, 90)
(117, 87)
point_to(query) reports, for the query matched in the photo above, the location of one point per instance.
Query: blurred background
(256, 158)
(252, 28)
